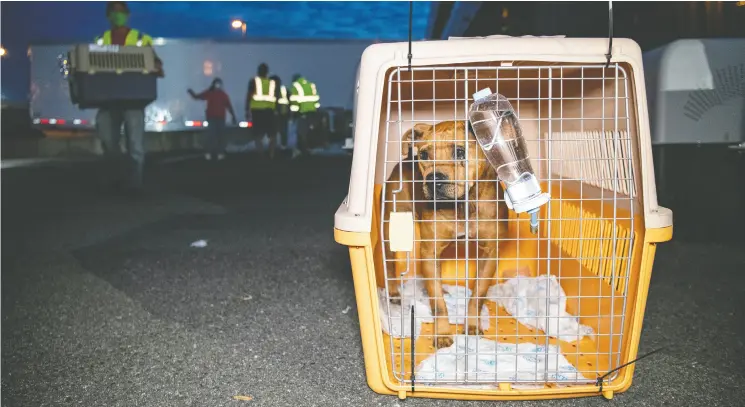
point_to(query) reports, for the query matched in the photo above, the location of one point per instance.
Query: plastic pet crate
(563, 313)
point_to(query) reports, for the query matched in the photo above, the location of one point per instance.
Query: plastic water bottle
(505, 149)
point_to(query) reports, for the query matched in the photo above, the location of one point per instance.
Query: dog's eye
(460, 153)
(423, 155)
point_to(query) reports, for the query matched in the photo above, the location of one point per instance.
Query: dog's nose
(438, 178)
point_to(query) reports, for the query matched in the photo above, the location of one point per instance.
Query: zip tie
(412, 343)
(610, 34)
(599, 382)
(411, 23)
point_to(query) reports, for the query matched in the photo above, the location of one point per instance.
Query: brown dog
(434, 188)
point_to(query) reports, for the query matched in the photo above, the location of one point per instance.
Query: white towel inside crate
(475, 359)
(414, 293)
(539, 302)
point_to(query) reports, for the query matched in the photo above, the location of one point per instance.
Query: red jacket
(217, 103)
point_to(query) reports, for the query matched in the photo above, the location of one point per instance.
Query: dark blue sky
(29, 22)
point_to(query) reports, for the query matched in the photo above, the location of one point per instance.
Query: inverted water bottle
(499, 134)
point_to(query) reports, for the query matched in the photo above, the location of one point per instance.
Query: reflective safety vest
(283, 102)
(304, 97)
(134, 38)
(264, 96)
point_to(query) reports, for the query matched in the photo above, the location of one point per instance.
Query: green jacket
(304, 97)
(134, 38)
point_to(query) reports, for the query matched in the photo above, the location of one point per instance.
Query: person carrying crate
(109, 120)
(304, 103)
(261, 104)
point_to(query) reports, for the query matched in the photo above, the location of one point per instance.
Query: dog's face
(449, 158)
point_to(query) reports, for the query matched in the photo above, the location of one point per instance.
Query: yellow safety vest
(304, 97)
(283, 101)
(134, 39)
(264, 97)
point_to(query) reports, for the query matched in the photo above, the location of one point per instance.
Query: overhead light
(239, 25)
(2, 52)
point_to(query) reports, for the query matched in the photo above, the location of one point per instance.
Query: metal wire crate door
(576, 122)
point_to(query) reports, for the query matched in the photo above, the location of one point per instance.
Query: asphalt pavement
(105, 302)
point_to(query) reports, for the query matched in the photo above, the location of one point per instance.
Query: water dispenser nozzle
(525, 195)
(534, 221)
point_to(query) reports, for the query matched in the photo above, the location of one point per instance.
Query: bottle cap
(482, 94)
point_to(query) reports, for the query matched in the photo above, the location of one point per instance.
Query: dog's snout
(437, 176)
(439, 180)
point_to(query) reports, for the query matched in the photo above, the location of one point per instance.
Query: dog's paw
(475, 330)
(443, 342)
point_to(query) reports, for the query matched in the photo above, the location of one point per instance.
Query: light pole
(236, 24)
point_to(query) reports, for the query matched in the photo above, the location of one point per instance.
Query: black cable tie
(412, 344)
(411, 23)
(610, 34)
(599, 382)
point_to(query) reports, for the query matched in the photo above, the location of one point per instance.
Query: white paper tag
(401, 231)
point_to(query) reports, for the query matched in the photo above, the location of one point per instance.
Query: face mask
(118, 19)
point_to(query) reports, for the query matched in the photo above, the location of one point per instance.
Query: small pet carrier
(106, 75)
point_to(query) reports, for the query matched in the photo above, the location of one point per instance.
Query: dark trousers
(306, 124)
(215, 135)
(282, 126)
(109, 128)
(264, 125)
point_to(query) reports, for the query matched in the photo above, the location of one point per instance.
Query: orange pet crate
(586, 125)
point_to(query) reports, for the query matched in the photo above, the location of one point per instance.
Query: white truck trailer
(332, 65)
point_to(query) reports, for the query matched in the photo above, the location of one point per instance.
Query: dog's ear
(509, 126)
(414, 133)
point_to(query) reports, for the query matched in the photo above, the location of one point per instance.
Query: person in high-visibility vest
(261, 105)
(304, 102)
(109, 120)
(283, 111)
